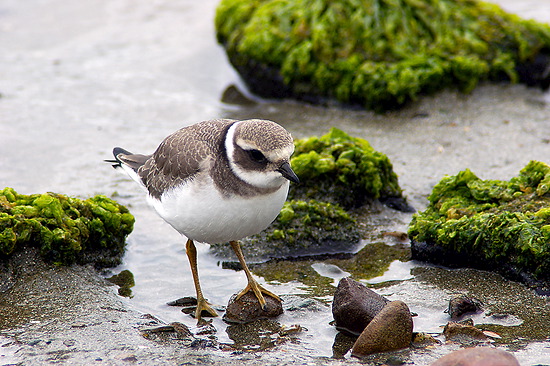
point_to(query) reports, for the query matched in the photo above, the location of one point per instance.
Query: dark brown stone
(477, 356)
(391, 329)
(462, 304)
(233, 95)
(247, 308)
(355, 305)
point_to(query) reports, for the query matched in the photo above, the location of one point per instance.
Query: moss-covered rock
(345, 170)
(66, 230)
(375, 53)
(490, 224)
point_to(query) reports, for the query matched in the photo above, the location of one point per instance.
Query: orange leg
(252, 284)
(202, 304)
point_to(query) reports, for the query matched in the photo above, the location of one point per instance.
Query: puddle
(397, 271)
(330, 271)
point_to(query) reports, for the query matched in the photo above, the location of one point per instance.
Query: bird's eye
(257, 156)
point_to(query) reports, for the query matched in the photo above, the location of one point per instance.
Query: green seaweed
(66, 230)
(490, 220)
(125, 281)
(342, 169)
(376, 53)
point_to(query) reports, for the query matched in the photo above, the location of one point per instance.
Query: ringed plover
(217, 181)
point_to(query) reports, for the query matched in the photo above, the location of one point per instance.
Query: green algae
(66, 230)
(125, 281)
(376, 53)
(342, 169)
(303, 222)
(491, 221)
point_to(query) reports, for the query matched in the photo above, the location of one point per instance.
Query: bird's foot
(258, 291)
(204, 309)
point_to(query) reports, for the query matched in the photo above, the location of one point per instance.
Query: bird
(217, 181)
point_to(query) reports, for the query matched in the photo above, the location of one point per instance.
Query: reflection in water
(316, 277)
(342, 344)
(260, 335)
(330, 271)
(512, 310)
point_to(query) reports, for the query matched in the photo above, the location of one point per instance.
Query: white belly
(205, 216)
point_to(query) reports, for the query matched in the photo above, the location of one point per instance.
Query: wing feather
(183, 155)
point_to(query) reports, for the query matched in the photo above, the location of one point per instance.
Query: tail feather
(129, 162)
(134, 161)
(117, 163)
(124, 157)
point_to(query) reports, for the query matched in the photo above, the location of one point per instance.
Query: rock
(459, 228)
(65, 230)
(233, 95)
(355, 305)
(462, 304)
(183, 301)
(477, 356)
(536, 72)
(422, 339)
(391, 329)
(189, 305)
(455, 330)
(331, 53)
(247, 308)
(179, 330)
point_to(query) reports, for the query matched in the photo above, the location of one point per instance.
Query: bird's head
(259, 153)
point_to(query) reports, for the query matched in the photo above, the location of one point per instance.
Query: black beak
(288, 173)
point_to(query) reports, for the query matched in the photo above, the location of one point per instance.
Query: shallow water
(80, 78)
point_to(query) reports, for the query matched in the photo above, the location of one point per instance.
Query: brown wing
(183, 154)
